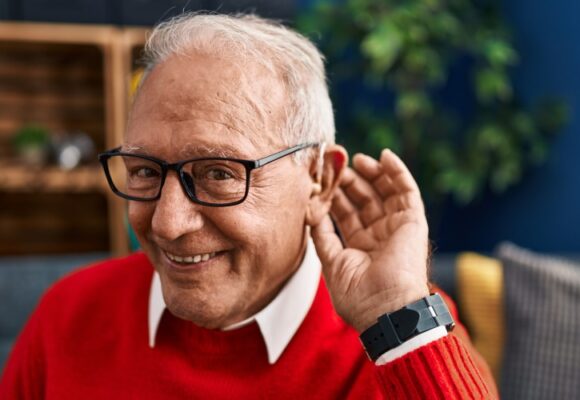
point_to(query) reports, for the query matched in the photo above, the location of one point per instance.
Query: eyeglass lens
(213, 181)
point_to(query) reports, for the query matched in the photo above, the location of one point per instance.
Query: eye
(144, 172)
(215, 170)
(218, 174)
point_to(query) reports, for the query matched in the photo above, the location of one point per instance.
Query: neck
(249, 316)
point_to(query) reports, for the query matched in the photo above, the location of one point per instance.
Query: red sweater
(88, 340)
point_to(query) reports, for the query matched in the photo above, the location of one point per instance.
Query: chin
(200, 313)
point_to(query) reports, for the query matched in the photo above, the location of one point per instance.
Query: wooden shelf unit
(66, 78)
(17, 178)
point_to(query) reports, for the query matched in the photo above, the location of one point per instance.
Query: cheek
(270, 215)
(243, 224)
(286, 193)
(139, 215)
(274, 220)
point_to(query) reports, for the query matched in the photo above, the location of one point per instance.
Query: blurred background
(479, 97)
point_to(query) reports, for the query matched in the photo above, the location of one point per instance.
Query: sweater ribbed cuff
(413, 344)
(440, 370)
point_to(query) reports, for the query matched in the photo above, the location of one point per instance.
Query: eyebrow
(195, 150)
(191, 150)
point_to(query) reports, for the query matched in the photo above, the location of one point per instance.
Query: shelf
(99, 35)
(51, 179)
(65, 78)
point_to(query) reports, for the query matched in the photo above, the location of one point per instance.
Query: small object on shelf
(31, 144)
(70, 150)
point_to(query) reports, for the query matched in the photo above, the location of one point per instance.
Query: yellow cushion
(480, 295)
(136, 78)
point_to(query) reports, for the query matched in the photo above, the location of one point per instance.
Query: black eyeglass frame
(178, 168)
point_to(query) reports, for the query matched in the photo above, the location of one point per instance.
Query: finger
(414, 223)
(327, 243)
(404, 201)
(346, 215)
(363, 197)
(372, 171)
(398, 173)
(367, 167)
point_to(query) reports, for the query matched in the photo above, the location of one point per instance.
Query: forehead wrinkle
(254, 105)
(218, 111)
(248, 115)
(253, 117)
(213, 151)
(246, 99)
(204, 117)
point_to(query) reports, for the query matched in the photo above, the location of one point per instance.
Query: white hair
(248, 38)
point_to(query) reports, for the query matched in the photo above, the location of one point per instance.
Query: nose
(175, 215)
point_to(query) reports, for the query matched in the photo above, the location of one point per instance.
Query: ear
(325, 174)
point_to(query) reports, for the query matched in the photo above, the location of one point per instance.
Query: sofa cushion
(542, 304)
(480, 299)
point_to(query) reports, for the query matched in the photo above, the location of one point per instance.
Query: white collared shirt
(279, 320)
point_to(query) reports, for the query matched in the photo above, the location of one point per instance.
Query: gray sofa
(22, 282)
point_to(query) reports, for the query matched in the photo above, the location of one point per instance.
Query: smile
(190, 259)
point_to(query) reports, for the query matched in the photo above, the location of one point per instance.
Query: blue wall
(543, 212)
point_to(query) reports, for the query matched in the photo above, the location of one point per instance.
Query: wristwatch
(393, 329)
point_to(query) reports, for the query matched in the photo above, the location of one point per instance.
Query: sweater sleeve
(448, 368)
(440, 370)
(23, 376)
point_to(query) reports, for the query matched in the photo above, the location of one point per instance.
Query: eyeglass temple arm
(266, 160)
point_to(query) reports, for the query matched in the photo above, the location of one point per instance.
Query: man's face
(195, 106)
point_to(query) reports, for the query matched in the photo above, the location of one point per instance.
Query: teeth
(191, 259)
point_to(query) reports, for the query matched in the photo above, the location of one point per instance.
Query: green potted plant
(31, 144)
(400, 56)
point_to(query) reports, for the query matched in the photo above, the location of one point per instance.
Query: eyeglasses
(214, 182)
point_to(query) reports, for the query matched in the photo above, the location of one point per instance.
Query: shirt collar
(278, 321)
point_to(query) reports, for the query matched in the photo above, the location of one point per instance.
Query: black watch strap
(395, 328)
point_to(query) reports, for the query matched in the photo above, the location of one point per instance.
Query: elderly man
(230, 169)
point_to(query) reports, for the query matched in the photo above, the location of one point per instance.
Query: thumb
(327, 243)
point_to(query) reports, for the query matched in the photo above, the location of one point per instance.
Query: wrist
(379, 305)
